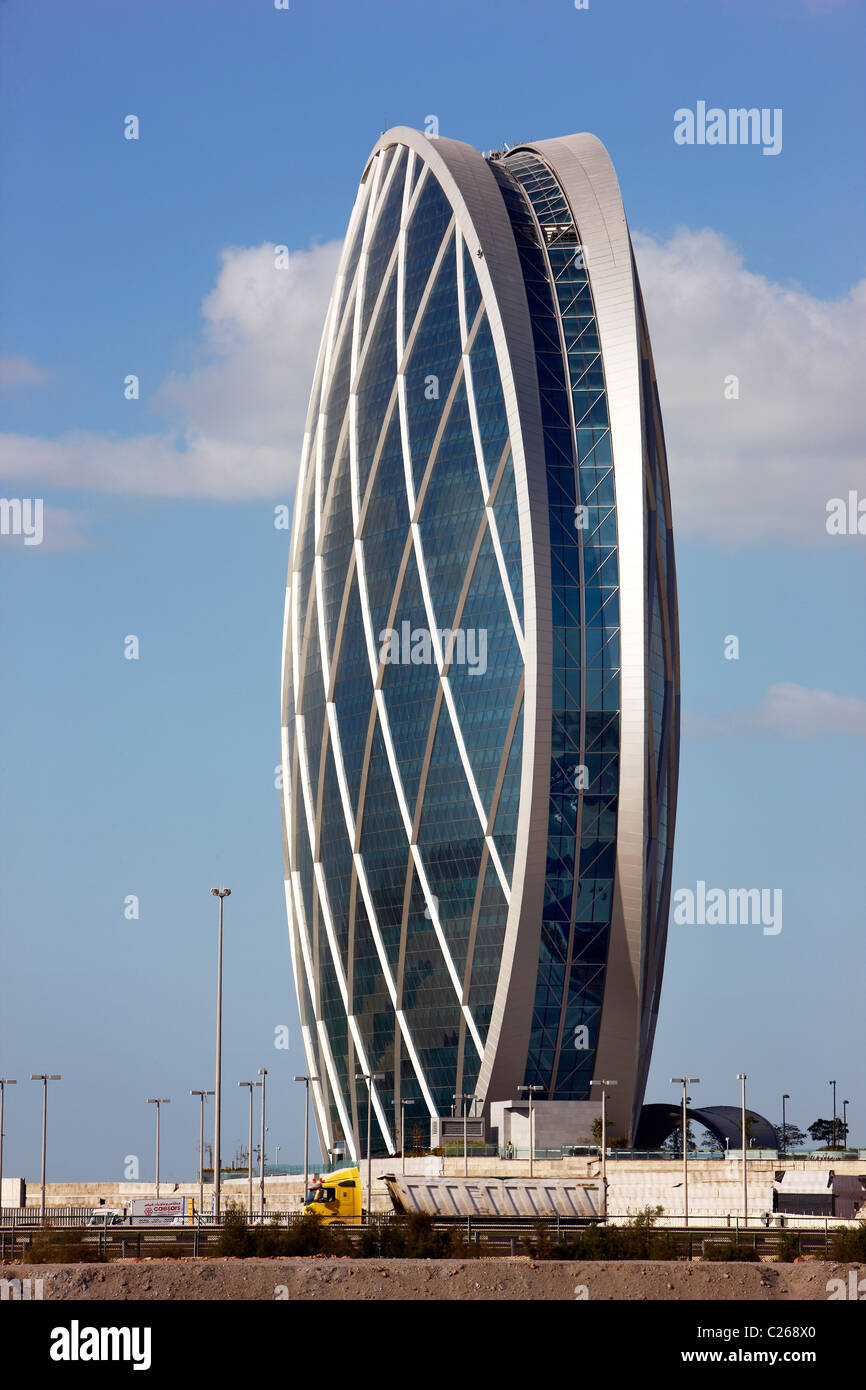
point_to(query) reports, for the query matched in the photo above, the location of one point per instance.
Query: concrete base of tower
(556, 1123)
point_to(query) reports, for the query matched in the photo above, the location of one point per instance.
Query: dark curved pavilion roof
(658, 1121)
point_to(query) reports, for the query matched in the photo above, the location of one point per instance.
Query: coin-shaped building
(481, 668)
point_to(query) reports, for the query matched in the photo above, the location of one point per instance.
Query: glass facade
(581, 839)
(413, 600)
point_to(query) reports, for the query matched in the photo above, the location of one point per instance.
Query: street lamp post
(220, 893)
(8, 1081)
(833, 1084)
(686, 1081)
(743, 1077)
(201, 1095)
(369, 1078)
(604, 1085)
(845, 1105)
(151, 1100)
(531, 1091)
(251, 1084)
(784, 1124)
(403, 1104)
(44, 1077)
(306, 1080)
(263, 1073)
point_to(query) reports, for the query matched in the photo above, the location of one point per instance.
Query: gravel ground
(483, 1279)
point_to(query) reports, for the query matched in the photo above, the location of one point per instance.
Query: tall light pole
(251, 1084)
(306, 1080)
(685, 1081)
(8, 1081)
(263, 1073)
(44, 1077)
(784, 1124)
(201, 1095)
(151, 1100)
(742, 1077)
(833, 1084)
(369, 1078)
(531, 1091)
(403, 1104)
(845, 1105)
(463, 1097)
(604, 1085)
(220, 893)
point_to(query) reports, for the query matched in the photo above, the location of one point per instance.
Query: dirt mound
(320, 1278)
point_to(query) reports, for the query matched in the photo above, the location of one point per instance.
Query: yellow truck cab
(335, 1199)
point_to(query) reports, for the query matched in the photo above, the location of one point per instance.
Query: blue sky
(155, 777)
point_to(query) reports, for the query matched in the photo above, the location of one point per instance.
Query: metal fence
(32, 1218)
(489, 1236)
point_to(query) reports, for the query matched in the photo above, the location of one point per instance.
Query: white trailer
(526, 1199)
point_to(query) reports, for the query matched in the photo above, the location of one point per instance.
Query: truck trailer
(523, 1199)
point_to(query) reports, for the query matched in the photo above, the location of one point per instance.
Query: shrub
(788, 1248)
(730, 1251)
(849, 1243)
(636, 1240)
(235, 1237)
(59, 1245)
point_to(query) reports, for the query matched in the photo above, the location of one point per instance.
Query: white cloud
(763, 467)
(791, 711)
(759, 468)
(19, 373)
(237, 417)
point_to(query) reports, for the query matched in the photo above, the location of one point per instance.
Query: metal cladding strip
(306, 788)
(367, 1070)
(497, 864)
(446, 686)
(401, 257)
(319, 882)
(284, 656)
(320, 1106)
(587, 177)
(295, 639)
(325, 906)
(303, 938)
(340, 768)
(476, 432)
(506, 581)
(384, 725)
(324, 656)
(325, 1046)
(482, 468)
(389, 979)
(433, 909)
(366, 616)
(374, 927)
(286, 772)
(416, 1063)
(402, 358)
(482, 220)
(321, 375)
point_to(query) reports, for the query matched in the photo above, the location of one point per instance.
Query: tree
(822, 1132)
(674, 1141)
(596, 1129)
(790, 1136)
